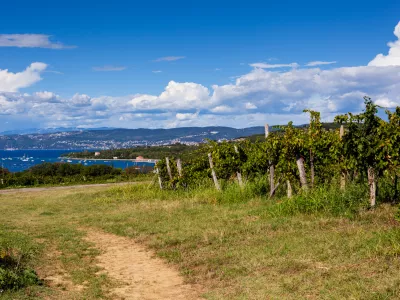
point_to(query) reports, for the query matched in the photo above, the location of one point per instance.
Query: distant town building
(140, 158)
(115, 157)
(97, 154)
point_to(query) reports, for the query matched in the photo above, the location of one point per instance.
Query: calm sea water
(20, 160)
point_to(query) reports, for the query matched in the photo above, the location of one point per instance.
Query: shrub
(16, 256)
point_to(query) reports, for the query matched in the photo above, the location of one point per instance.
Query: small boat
(69, 160)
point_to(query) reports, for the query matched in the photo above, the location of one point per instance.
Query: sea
(20, 160)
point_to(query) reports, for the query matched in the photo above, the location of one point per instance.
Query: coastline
(153, 161)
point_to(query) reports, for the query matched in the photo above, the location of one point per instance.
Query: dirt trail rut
(142, 276)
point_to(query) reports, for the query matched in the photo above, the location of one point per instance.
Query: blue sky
(180, 63)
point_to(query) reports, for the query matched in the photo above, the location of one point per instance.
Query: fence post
(312, 171)
(159, 178)
(289, 189)
(372, 186)
(214, 176)
(302, 172)
(168, 168)
(271, 168)
(179, 166)
(238, 174)
(342, 173)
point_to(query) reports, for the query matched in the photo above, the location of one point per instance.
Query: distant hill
(111, 138)
(48, 130)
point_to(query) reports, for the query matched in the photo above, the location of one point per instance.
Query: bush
(16, 256)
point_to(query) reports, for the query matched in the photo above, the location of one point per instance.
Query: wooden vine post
(238, 174)
(271, 168)
(159, 178)
(372, 186)
(179, 166)
(289, 189)
(342, 174)
(168, 168)
(302, 172)
(214, 176)
(312, 169)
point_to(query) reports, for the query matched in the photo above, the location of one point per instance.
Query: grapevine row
(300, 159)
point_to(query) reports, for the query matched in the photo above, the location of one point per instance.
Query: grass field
(242, 250)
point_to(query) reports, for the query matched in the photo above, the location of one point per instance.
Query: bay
(20, 160)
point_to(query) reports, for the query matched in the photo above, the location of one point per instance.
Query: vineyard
(290, 161)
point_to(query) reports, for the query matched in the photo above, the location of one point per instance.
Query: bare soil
(141, 275)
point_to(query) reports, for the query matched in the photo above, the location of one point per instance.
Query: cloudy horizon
(269, 91)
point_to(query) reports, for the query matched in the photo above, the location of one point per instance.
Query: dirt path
(142, 276)
(67, 187)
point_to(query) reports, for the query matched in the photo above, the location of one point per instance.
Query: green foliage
(64, 173)
(368, 142)
(16, 256)
(154, 152)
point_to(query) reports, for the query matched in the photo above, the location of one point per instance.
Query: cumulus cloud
(186, 95)
(109, 68)
(250, 105)
(169, 58)
(46, 96)
(186, 116)
(267, 93)
(319, 63)
(393, 57)
(30, 41)
(80, 100)
(12, 82)
(222, 109)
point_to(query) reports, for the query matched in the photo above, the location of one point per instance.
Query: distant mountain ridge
(106, 138)
(50, 130)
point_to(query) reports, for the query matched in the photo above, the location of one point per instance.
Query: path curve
(142, 275)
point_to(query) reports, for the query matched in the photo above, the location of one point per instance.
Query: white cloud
(222, 109)
(187, 95)
(393, 57)
(186, 116)
(169, 58)
(265, 94)
(250, 105)
(12, 82)
(46, 96)
(10, 105)
(30, 41)
(157, 71)
(387, 103)
(273, 66)
(319, 63)
(109, 68)
(80, 100)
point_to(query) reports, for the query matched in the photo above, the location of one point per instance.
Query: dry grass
(236, 251)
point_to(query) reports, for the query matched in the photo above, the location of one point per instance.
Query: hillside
(122, 138)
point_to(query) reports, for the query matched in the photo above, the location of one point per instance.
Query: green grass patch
(237, 244)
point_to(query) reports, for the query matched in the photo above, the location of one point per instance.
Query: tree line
(65, 173)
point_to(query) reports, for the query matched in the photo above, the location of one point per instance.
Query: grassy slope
(236, 251)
